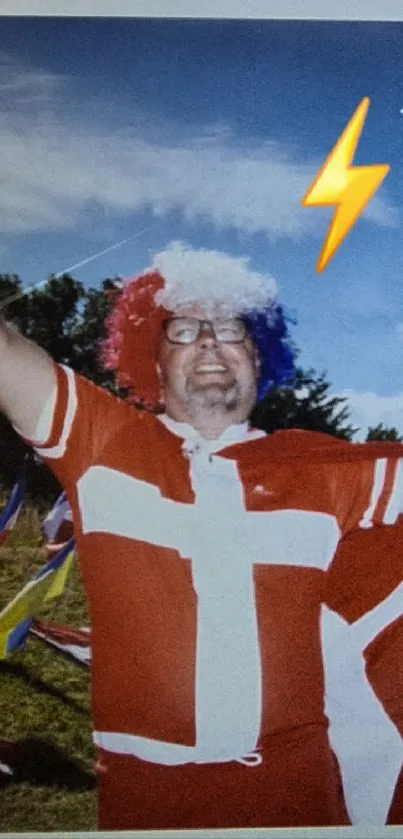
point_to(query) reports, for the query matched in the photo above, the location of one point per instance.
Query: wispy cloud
(369, 409)
(56, 168)
(22, 86)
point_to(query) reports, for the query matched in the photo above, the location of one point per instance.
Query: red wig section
(133, 328)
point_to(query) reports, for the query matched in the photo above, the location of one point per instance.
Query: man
(209, 558)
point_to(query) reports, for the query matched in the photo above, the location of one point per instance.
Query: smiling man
(208, 370)
(221, 691)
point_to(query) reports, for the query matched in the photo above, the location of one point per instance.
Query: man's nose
(207, 337)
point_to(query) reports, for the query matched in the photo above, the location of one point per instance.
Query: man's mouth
(211, 368)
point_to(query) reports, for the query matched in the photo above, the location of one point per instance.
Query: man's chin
(214, 397)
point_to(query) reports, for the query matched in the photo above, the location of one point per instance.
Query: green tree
(89, 331)
(308, 405)
(10, 285)
(381, 432)
(47, 315)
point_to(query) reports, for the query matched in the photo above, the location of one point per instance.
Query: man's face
(208, 375)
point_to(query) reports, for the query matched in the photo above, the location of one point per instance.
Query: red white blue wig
(181, 277)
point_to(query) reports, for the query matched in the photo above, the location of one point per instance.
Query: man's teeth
(211, 368)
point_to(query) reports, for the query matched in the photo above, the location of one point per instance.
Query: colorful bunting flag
(48, 584)
(60, 512)
(75, 643)
(10, 514)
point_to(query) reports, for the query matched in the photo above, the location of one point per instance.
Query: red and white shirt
(219, 601)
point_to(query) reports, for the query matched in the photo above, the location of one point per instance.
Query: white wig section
(211, 279)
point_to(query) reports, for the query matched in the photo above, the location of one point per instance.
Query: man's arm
(27, 382)
(365, 570)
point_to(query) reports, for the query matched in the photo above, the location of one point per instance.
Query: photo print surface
(201, 449)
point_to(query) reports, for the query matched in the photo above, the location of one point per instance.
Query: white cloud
(382, 213)
(27, 86)
(369, 409)
(56, 168)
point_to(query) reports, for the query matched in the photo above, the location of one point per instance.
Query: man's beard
(214, 398)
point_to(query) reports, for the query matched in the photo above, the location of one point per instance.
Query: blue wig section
(277, 357)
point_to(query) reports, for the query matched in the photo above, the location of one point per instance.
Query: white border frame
(382, 10)
(332, 10)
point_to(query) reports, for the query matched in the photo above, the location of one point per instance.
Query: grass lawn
(45, 706)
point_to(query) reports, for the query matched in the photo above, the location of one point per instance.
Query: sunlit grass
(44, 702)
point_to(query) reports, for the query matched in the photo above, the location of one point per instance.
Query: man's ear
(258, 362)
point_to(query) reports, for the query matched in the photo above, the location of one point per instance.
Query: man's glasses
(183, 330)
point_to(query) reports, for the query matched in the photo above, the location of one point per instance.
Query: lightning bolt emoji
(348, 187)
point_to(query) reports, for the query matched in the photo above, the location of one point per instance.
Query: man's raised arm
(27, 382)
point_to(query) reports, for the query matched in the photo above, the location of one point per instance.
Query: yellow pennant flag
(16, 617)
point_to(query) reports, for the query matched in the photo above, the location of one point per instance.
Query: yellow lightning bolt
(349, 187)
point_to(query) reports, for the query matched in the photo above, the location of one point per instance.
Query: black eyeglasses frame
(202, 324)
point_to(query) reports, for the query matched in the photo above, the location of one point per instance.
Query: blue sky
(210, 132)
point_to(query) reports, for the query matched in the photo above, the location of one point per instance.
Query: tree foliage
(307, 405)
(381, 432)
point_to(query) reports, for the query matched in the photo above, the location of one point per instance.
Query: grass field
(44, 706)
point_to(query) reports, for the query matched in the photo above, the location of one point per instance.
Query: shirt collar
(233, 434)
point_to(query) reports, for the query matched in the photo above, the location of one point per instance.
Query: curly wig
(134, 327)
